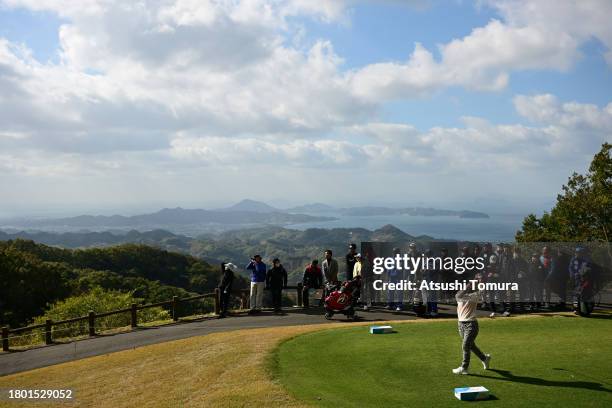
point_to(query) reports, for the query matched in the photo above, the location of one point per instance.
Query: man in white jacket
(467, 301)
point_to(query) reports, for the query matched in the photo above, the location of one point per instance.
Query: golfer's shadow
(508, 376)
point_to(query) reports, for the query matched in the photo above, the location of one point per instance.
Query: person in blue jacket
(258, 283)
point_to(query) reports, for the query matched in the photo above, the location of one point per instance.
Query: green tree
(583, 211)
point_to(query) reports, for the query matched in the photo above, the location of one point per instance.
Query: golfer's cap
(358, 255)
(256, 256)
(352, 246)
(231, 267)
(579, 249)
(412, 245)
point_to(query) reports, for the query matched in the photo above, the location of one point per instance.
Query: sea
(497, 228)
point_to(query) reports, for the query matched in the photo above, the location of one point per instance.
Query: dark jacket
(277, 277)
(227, 281)
(536, 272)
(521, 268)
(312, 277)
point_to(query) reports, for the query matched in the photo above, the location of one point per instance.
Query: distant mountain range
(312, 208)
(193, 221)
(414, 211)
(246, 213)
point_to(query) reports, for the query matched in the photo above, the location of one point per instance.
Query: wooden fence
(133, 311)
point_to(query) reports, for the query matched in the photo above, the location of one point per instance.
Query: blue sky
(169, 93)
(388, 32)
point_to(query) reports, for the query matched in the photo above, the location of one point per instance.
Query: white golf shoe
(460, 370)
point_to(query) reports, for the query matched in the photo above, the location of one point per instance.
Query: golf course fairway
(553, 361)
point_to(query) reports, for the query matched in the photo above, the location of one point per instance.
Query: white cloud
(547, 109)
(541, 35)
(157, 88)
(568, 135)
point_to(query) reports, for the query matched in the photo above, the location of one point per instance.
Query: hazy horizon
(68, 211)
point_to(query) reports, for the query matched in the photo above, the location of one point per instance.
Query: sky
(128, 106)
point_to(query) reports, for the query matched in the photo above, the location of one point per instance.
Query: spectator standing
(395, 299)
(311, 279)
(579, 264)
(276, 281)
(330, 272)
(359, 272)
(521, 271)
(560, 276)
(536, 279)
(225, 287)
(430, 274)
(487, 252)
(414, 296)
(258, 282)
(548, 267)
(447, 276)
(492, 275)
(507, 274)
(330, 268)
(350, 261)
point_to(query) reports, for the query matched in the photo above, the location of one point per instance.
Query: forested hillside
(34, 276)
(295, 248)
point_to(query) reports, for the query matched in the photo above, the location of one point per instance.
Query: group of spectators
(544, 280)
(539, 276)
(275, 279)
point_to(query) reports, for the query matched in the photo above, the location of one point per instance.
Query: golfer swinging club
(467, 300)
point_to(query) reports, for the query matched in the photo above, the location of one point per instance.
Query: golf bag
(342, 298)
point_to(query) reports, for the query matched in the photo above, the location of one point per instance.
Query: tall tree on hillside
(584, 208)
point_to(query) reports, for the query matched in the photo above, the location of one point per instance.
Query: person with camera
(258, 283)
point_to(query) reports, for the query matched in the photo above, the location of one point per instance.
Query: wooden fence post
(5, 340)
(134, 316)
(300, 301)
(91, 319)
(217, 301)
(48, 326)
(175, 308)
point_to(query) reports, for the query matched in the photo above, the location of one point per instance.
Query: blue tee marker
(472, 393)
(381, 329)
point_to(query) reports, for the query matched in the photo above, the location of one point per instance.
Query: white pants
(257, 290)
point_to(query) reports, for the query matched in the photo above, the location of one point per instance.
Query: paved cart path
(17, 361)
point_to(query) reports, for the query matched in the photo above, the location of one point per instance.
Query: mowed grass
(216, 370)
(554, 361)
